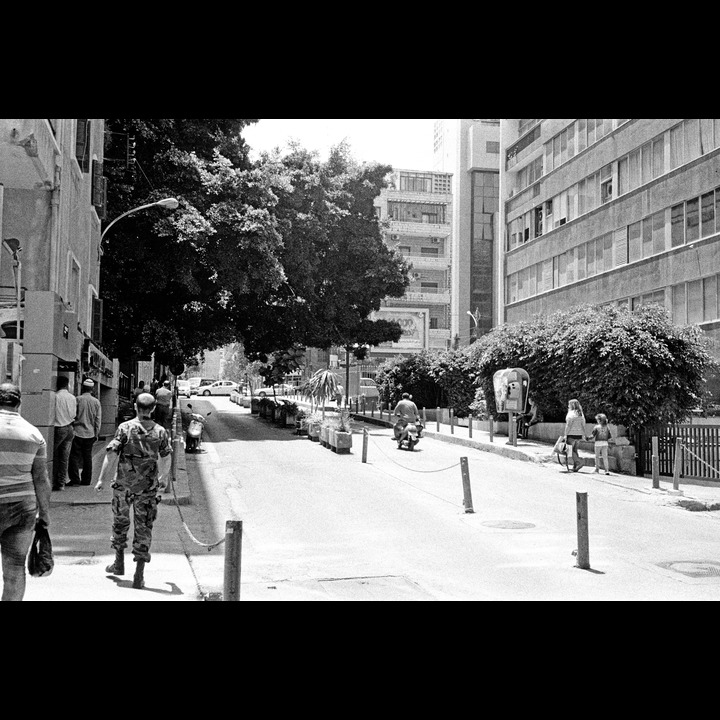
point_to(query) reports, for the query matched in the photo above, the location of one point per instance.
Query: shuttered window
(82, 144)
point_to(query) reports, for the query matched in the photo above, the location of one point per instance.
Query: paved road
(321, 526)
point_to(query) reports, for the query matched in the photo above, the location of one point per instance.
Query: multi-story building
(470, 150)
(612, 211)
(52, 201)
(416, 212)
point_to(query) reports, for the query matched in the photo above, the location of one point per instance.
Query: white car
(183, 387)
(219, 387)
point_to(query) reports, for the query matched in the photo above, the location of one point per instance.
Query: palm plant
(321, 386)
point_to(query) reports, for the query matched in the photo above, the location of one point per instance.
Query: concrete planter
(331, 439)
(314, 431)
(343, 442)
(324, 436)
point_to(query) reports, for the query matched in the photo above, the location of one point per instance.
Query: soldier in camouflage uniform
(137, 464)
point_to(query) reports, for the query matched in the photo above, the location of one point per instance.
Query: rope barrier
(209, 546)
(413, 469)
(688, 450)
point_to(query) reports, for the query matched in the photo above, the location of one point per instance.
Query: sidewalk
(80, 530)
(692, 494)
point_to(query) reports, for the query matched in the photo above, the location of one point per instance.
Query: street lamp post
(475, 317)
(170, 203)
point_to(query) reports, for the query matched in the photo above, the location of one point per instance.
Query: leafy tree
(281, 253)
(634, 366)
(414, 374)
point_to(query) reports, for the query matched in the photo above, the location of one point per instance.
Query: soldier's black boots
(138, 579)
(118, 567)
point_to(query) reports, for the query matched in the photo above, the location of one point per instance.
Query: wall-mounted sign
(414, 324)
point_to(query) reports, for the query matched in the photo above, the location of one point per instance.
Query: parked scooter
(194, 432)
(408, 436)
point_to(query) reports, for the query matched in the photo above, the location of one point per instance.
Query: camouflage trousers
(144, 513)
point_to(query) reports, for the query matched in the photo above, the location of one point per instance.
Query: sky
(404, 144)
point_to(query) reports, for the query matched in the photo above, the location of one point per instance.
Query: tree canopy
(280, 253)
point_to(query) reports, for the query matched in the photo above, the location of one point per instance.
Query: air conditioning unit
(395, 237)
(435, 240)
(416, 275)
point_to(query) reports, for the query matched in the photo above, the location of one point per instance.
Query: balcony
(428, 262)
(427, 297)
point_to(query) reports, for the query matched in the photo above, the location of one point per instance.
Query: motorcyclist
(406, 411)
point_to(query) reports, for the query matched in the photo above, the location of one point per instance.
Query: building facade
(416, 213)
(52, 201)
(470, 150)
(617, 211)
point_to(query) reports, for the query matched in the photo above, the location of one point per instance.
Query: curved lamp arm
(171, 203)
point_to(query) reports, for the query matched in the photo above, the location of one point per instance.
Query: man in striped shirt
(24, 489)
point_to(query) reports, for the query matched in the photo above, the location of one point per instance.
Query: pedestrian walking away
(139, 389)
(65, 412)
(574, 432)
(602, 436)
(87, 430)
(137, 465)
(24, 490)
(163, 407)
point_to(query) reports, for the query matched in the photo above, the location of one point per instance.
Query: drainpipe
(54, 232)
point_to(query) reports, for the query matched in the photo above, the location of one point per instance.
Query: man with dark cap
(137, 464)
(87, 429)
(24, 489)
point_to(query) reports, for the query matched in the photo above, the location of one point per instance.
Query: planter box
(343, 442)
(314, 432)
(331, 438)
(290, 421)
(324, 436)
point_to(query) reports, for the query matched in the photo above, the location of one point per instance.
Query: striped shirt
(21, 447)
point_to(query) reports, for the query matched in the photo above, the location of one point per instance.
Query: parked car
(219, 387)
(280, 389)
(369, 388)
(196, 383)
(183, 387)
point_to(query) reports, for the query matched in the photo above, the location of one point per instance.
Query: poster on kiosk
(511, 387)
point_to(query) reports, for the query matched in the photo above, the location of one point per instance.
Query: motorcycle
(194, 431)
(408, 436)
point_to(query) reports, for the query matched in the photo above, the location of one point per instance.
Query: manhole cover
(705, 568)
(508, 524)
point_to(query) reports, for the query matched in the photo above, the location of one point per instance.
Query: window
(658, 232)
(82, 144)
(695, 302)
(415, 182)
(676, 147)
(430, 251)
(634, 169)
(658, 150)
(646, 150)
(590, 258)
(404, 249)
(677, 225)
(606, 184)
(692, 139)
(581, 262)
(433, 323)
(581, 135)
(647, 245)
(608, 250)
(622, 176)
(679, 304)
(692, 220)
(538, 221)
(431, 287)
(707, 214)
(634, 242)
(96, 326)
(710, 298)
(72, 292)
(492, 147)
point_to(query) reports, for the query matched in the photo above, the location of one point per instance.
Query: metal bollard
(437, 418)
(233, 549)
(655, 463)
(452, 422)
(365, 445)
(470, 420)
(583, 548)
(677, 467)
(467, 495)
(492, 427)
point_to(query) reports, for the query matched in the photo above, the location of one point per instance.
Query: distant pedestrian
(137, 464)
(139, 389)
(163, 408)
(87, 430)
(24, 490)
(65, 411)
(602, 436)
(574, 432)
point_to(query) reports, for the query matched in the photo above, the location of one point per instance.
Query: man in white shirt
(163, 406)
(65, 411)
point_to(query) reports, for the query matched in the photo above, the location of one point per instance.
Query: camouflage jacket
(139, 443)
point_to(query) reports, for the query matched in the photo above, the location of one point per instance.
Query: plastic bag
(560, 445)
(40, 558)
